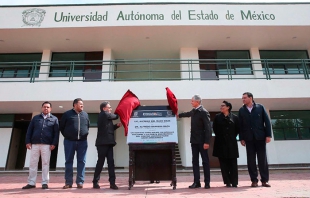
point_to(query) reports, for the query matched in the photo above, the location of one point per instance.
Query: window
(93, 117)
(19, 65)
(290, 125)
(6, 120)
(75, 64)
(284, 62)
(225, 62)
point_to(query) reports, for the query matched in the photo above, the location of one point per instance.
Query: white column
(6, 134)
(107, 56)
(184, 125)
(271, 148)
(26, 165)
(45, 65)
(186, 66)
(257, 66)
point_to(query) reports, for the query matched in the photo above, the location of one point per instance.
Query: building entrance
(17, 149)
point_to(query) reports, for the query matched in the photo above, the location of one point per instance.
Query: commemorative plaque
(152, 136)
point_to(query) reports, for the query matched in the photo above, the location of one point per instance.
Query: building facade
(98, 52)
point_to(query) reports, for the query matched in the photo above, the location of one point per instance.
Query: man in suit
(105, 142)
(255, 132)
(200, 139)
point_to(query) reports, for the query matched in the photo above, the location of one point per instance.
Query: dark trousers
(253, 148)
(229, 170)
(80, 147)
(105, 151)
(196, 149)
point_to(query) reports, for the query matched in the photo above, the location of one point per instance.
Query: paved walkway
(289, 183)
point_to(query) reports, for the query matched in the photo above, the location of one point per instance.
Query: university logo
(33, 17)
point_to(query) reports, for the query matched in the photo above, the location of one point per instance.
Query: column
(271, 147)
(29, 151)
(190, 54)
(184, 125)
(257, 65)
(106, 58)
(45, 65)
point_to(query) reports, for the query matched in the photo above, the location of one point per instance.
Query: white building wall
(5, 140)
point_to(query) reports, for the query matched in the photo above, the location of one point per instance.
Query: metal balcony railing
(155, 70)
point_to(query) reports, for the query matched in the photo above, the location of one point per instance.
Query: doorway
(17, 149)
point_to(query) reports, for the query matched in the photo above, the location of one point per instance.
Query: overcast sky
(48, 2)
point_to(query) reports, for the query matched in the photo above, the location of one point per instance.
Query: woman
(226, 129)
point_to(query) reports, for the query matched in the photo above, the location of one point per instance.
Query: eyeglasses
(108, 107)
(223, 105)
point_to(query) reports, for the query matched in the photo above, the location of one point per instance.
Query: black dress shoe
(79, 186)
(228, 185)
(254, 184)
(195, 185)
(44, 186)
(234, 186)
(28, 186)
(96, 186)
(265, 184)
(207, 186)
(113, 186)
(67, 186)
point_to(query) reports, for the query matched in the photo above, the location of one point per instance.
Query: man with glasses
(105, 142)
(200, 139)
(255, 132)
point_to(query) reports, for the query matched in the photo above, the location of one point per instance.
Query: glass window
(234, 62)
(62, 62)
(284, 61)
(93, 117)
(290, 125)
(6, 120)
(75, 63)
(19, 65)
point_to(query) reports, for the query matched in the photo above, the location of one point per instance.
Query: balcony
(154, 70)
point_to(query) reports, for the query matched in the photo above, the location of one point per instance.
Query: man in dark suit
(200, 138)
(105, 142)
(255, 132)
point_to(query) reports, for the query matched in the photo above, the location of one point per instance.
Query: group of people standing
(252, 125)
(43, 135)
(254, 129)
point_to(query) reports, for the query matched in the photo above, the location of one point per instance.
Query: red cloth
(124, 109)
(172, 101)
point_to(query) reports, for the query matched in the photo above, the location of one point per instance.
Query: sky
(49, 2)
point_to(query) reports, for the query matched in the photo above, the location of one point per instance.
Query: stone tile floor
(287, 183)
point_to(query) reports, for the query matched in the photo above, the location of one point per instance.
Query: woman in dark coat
(226, 129)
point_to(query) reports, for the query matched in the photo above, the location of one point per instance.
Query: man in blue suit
(255, 132)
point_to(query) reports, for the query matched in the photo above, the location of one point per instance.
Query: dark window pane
(20, 57)
(22, 73)
(292, 64)
(21, 64)
(291, 133)
(8, 73)
(93, 117)
(278, 134)
(305, 133)
(58, 71)
(6, 120)
(290, 124)
(227, 64)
